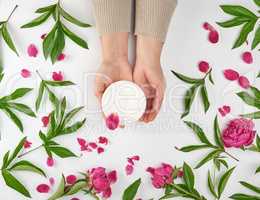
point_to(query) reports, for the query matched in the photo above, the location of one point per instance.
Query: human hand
(149, 76)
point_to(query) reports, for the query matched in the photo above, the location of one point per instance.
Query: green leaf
(193, 148)
(188, 176)
(257, 2)
(255, 91)
(217, 133)
(131, 191)
(199, 132)
(59, 44)
(211, 185)
(5, 160)
(79, 185)
(170, 196)
(18, 93)
(71, 114)
(37, 21)
(60, 191)
(39, 97)
(204, 96)
(14, 118)
(248, 99)
(210, 78)
(189, 97)
(8, 39)
(237, 10)
(257, 170)
(74, 37)
(72, 19)
(48, 42)
(209, 157)
(250, 187)
(59, 83)
(256, 40)
(53, 99)
(223, 162)
(240, 196)
(17, 150)
(233, 22)
(247, 28)
(26, 166)
(258, 142)
(22, 108)
(223, 181)
(187, 79)
(46, 9)
(61, 151)
(13, 183)
(255, 115)
(74, 127)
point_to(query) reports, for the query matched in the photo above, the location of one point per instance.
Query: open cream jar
(125, 99)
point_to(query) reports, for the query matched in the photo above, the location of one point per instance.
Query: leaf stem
(12, 13)
(231, 156)
(39, 75)
(36, 148)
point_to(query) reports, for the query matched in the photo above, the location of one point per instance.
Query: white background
(186, 45)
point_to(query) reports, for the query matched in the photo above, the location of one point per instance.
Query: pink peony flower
(57, 76)
(244, 82)
(231, 74)
(161, 175)
(32, 50)
(129, 169)
(25, 73)
(247, 57)
(239, 133)
(203, 66)
(61, 57)
(50, 162)
(102, 140)
(112, 121)
(45, 121)
(71, 179)
(101, 181)
(43, 188)
(27, 144)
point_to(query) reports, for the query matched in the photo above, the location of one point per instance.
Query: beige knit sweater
(152, 17)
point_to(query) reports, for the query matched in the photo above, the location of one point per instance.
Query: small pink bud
(32, 50)
(244, 82)
(231, 74)
(25, 73)
(203, 66)
(247, 57)
(45, 121)
(71, 179)
(100, 150)
(213, 37)
(57, 76)
(43, 188)
(50, 162)
(61, 57)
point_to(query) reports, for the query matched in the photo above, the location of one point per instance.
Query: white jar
(126, 99)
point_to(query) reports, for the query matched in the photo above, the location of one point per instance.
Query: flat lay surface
(187, 44)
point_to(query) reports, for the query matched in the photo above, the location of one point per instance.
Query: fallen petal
(32, 50)
(244, 82)
(213, 37)
(51, 181)
(102, 140)
(100, 150)
(247, 57)
(227, 109)
(112, 121)
(25, 73)
(57, 76)
(129, 169)
(61, 57)
(45, 121)
(27, 144)
(43, 188)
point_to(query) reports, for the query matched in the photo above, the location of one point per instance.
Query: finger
(157, 103)
(148, 108)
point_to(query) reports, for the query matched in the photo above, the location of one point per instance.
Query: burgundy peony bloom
(239, 133)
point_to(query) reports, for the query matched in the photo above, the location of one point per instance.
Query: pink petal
(231, 74)
(203, 66)
(208, 27)
(27, 144)
(130, 161)
(32, 50)
(43, 188)
(136, 157)
(71, 179)
(100, 150)
(50, 162)
(25, 73)
(129, 169)
(244, 82)
(247, 57)
(227, 109)
(112, 121)
(45, 121)
(57, 76)
(112, 176)
(81, 141)
(51, 181)
(213, 37)
(43, 36)
(61, 57)
(222, 112)
(102, 140)
(93, 145)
